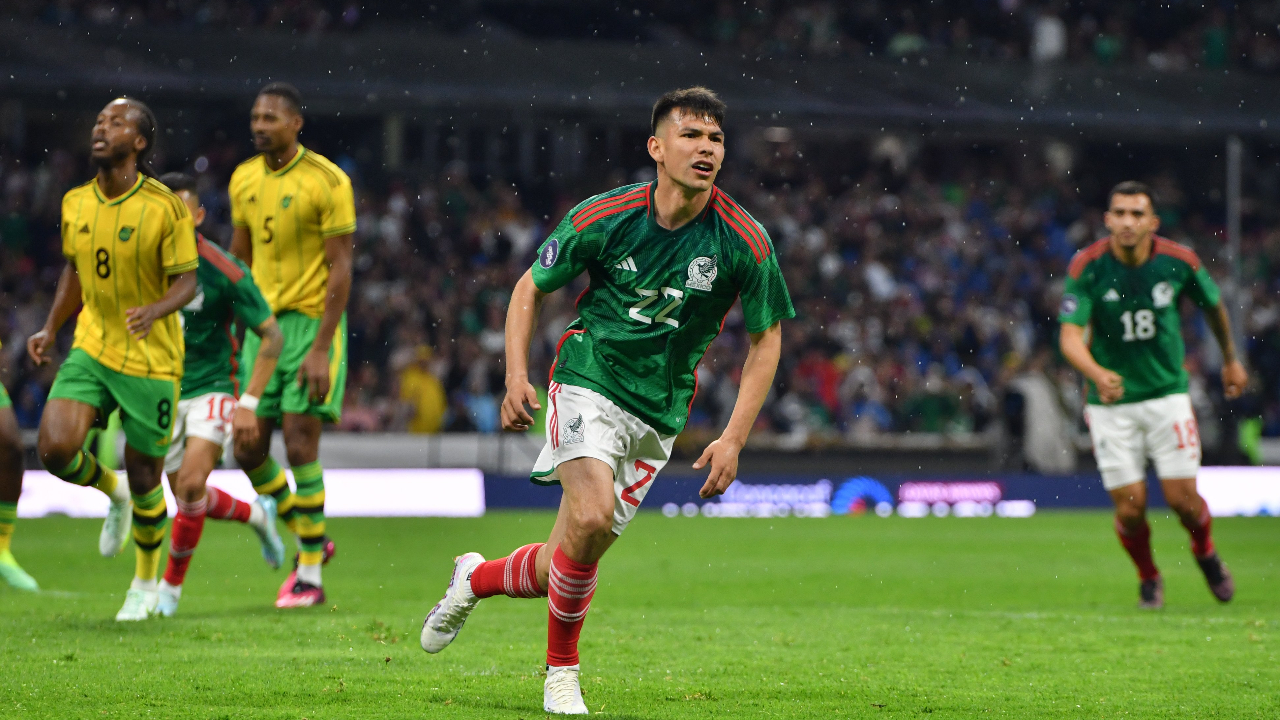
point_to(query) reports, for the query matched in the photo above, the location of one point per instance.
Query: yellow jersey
(124, 251)
(290, 213)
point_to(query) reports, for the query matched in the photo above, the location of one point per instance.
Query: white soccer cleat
(561, 694)
(138, 605)
(168, 597)
(115, 529)
(446, 618)
(272, 545)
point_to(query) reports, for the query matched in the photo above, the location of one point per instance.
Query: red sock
(224, 507)
(572, 585)
(1138, 544)
(514, 575)
(1201, 539)
(187, 527)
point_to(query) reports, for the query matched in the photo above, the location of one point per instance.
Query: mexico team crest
(574, 431)
(702, 272)
(1162, 294)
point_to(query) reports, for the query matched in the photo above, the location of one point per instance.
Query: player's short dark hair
(148, 127)
(1131, 187)
(696, 100)
(286, 92)
(178, 182)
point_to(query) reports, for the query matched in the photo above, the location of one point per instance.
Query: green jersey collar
(297, 157)
(103, 198)
(651, 212)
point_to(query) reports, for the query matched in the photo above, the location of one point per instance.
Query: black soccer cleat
(1151, 594)
(1221, 584)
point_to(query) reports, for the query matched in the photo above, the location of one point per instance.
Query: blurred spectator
(1048, 37)
(1170, 37)
(422, 390)
(925, 279)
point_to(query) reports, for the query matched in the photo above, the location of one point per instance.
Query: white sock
(120, 495)
(174, 590)
(309, 574)
(147, 585)
(257, 517)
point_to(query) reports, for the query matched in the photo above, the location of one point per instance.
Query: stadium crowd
(923, 297)
(1163, 36)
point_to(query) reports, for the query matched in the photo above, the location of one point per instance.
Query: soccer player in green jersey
(10, 489)
(131, 265)
(207, 412)
(666, 262)
(1124, 292)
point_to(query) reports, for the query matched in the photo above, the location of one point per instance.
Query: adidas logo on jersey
(1111, 296)
(627, 264)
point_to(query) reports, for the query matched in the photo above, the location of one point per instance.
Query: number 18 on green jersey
(1132, 313)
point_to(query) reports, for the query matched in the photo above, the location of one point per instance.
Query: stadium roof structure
(511, 76)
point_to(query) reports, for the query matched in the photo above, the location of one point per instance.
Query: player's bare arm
(182, 288)
(757, 378)
(66, 302)
(1071, 341)
(1234, 377)
(242, 245)
(314, 371)
(244, 423)
(522, 318)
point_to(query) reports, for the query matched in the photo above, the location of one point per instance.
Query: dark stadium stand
(925, 204)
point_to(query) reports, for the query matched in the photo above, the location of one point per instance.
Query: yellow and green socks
(84, 469)
(150, 518)
(8, 515)
(269, 479)
(309, 512)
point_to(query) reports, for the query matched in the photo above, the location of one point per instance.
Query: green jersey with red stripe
(225, 291)
(657, 297)
(1132, 314)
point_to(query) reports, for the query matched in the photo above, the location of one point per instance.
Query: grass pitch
(694, 618)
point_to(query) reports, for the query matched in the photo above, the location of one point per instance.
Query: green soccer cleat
(138, 605)
(15, 575)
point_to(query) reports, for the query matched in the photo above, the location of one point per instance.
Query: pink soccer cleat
(300, 594)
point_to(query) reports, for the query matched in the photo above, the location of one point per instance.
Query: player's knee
(249, 456)
(591, 522)
(55, 453)
(1130, 513)
(10, 448)
(1183, 503)
(188, 486)
(300, 456)
(300, 445)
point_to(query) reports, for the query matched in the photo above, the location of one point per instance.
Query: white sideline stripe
(454, 492)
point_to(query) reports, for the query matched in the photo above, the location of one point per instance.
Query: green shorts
(4, 398)
(283, 394)
(146, 405)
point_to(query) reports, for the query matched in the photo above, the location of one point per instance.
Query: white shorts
(583, 423)
(205, 416)
(1124, 436)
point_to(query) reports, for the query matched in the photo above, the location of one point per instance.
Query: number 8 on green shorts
(146, 404)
